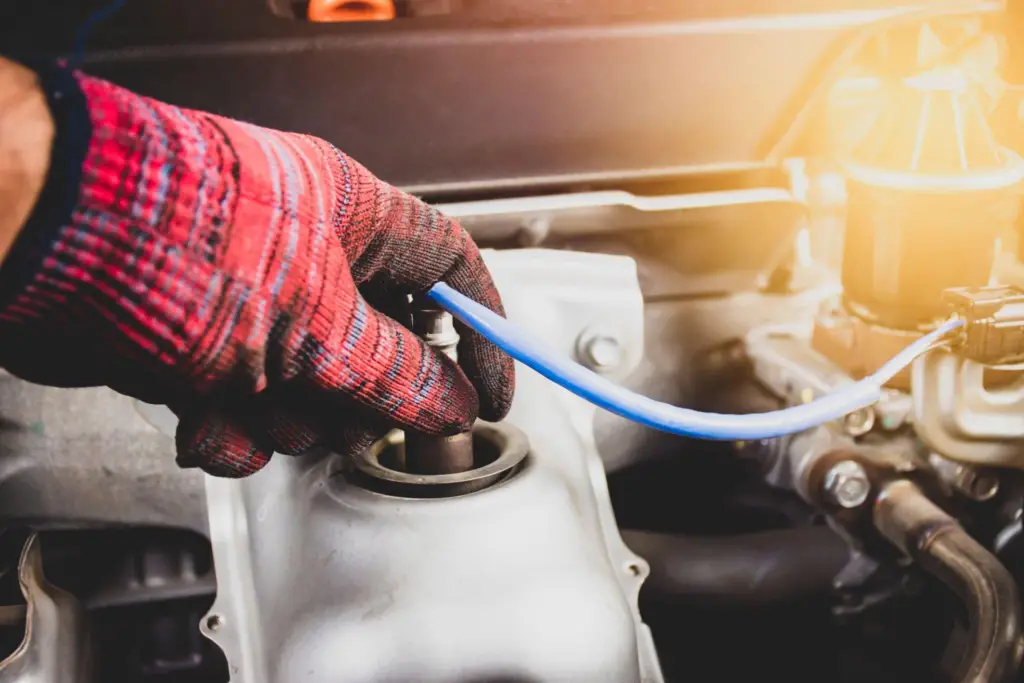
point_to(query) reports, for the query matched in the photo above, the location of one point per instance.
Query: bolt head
(859, 422)
(602, 351)
(976, 485)
(847, 484)
(437, 328)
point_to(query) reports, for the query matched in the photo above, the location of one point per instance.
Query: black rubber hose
(765, 568)
(938, 543)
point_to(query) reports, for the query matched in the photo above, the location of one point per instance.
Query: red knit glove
(243, 276)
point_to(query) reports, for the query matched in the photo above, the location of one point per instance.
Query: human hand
(250, 279)
(26, 135)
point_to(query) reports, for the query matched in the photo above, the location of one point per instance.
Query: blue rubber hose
(715, 426)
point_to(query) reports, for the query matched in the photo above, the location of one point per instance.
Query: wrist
(26, 139)
(65, 123)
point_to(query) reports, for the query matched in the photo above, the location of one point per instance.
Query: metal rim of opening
(510, 443)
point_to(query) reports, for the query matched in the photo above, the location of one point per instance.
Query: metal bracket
(955, 414)
(55, 648)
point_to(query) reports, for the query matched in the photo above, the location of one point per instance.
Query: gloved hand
(250, 279)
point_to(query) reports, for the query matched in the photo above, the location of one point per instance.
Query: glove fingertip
(497, 407)
(490, 369)
(219, 446)
(492, 373)
(349, 442)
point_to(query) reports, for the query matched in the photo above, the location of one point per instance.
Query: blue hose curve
(661, 416)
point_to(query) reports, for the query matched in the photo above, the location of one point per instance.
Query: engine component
(969, 482)
(928, 193)
(672, 419)
(784, 362)
(993, 332)
(786, 365)
(56, 646)
(753, 569)
(527, 579)
(88, 456)
(789, 462)
(437, 455)
(465, 558)
(494, 453)
(426, 454)
(857, 346)
(847, 484)
(938, 543)
(869, 485)
(146, 590)
(962, 418)
(437, 327)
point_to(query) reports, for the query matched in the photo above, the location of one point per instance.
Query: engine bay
(771, 250)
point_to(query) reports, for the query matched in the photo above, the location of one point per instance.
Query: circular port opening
(498, 453)
(392, 456)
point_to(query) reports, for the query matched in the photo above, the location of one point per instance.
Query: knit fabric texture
(253, 280)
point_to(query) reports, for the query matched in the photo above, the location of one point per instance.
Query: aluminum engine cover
(321, 580)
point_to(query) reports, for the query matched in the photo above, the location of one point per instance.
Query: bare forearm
(26, 137)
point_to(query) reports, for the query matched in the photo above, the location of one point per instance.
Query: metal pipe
(938, 543)
(762, 568)
(428, 454)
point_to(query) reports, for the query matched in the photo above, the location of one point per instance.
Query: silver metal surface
(792, 459)
(526, 580)
(508, 445)
(893, 410)
(426, 456)
(86, 456)
(677, 336)
(859, 422)
(968, 481)
(55, 648)
(600, 350)
(961, 419)
(976, 485)
(586, 213)
(429, 454)
(437, 327)
(847, 484)
(786, 365)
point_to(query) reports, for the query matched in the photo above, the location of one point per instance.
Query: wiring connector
(993, 330)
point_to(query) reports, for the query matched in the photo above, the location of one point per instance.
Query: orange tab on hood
(328, 11)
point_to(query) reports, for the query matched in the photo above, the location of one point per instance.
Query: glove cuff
(56, 202)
